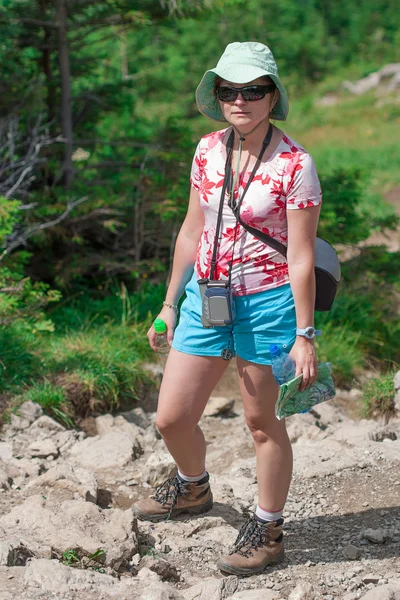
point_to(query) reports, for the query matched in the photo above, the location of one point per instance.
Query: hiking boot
(258, 545)
(175, 497)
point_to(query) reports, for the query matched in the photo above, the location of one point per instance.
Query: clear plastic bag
(292, 401)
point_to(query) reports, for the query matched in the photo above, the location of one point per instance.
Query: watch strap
(303, 332)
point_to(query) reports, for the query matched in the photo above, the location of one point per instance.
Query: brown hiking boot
(257, 546)
(175, 497)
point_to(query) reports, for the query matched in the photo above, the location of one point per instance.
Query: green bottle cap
(160, 326)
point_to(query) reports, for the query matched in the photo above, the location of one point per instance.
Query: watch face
(310, 332)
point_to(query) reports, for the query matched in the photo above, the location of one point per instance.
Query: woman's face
(241, 113)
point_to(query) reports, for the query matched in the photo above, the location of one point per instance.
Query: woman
(245, 91)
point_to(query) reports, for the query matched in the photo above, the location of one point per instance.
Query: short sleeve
(198, 164)
(303, 186)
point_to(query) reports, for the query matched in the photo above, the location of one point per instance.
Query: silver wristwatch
(309, 332)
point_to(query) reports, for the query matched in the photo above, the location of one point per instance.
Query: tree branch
(21, 239)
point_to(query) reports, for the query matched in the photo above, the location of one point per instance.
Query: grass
(340, 346)
(378, 396)
(51, 398)
(75, 372)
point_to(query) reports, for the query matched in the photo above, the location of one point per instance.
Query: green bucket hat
(240, 63)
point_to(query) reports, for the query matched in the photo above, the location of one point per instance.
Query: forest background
(98, 126)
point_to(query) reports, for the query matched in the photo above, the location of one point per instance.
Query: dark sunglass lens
(253, 93)
(226, 94)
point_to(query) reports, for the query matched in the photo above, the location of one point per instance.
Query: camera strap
(228, 186)
(231, 191)
(229, 148)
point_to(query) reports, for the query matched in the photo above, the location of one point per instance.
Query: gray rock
(389, 591)
(107, 423)
(18, 422)
(261, 594)
(160, 591)
(22, 467)
(112, 451)
(42, 449)
(64, 440)
(5, 553)
(51, 577)
(159, 467)
(303, 591)
(67, 477)
(162, 567)
(352, 552)
(213, 589)
(30, 411)
(45, 424)
(376, 536)
(5, 451)
(383, 433)
(371, 579)
(218, 406)
(138, 417)
(72, 524)
(4, 480)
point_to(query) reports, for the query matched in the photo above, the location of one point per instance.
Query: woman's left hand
(303, 352)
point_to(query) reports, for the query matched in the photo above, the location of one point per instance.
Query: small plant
(71, 558)
(378, 397)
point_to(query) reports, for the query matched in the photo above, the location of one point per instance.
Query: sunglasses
(249, 93)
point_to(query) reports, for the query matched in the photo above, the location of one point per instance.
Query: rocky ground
(66, 495)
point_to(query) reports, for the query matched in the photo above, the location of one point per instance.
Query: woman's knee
(169, 425)
(263, 431)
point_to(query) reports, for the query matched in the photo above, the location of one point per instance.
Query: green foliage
(72, 558)
(340, 346)
(378, 396)
(340, 222)
(20, 361)
(113, 306)
(9, 210)
(98, 368)
(51, 398)
(75, 374)
(365, 312)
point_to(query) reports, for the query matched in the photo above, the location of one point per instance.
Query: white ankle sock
(191, 478)
(268, 516)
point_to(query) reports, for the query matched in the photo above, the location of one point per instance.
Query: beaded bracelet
(173, 306)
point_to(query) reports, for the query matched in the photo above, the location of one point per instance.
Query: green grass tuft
(378, 398)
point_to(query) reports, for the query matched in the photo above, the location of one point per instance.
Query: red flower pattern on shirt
(286, 181)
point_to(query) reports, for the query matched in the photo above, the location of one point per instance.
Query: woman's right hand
(169, 316)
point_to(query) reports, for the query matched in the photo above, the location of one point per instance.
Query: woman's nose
(240, 100)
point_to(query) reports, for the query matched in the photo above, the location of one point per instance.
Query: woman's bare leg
(259, 391)
(187, 384)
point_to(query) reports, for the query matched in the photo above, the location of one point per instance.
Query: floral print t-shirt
(287, 180)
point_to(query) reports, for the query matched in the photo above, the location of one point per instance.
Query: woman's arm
(302, 231)
(186, 247)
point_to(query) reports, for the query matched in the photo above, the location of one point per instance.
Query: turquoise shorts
(261, 319)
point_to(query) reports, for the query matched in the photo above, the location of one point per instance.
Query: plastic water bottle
(162, 344)
(283, 365)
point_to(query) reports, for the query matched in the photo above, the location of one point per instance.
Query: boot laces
(170, 489)
(252, 535)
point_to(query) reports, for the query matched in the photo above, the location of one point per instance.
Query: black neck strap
(228, 182)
